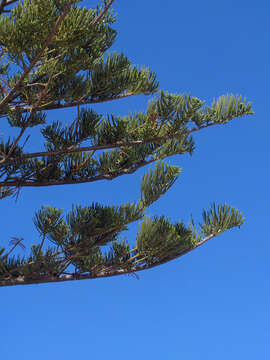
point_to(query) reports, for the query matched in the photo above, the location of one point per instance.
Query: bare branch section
(103, 273)
(12, 92)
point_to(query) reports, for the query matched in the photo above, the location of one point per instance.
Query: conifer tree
(54, 55)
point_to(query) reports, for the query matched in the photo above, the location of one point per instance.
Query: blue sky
(214, 302)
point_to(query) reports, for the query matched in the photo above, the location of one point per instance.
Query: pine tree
(54, 55)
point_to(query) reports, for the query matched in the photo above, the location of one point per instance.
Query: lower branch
(130, 270)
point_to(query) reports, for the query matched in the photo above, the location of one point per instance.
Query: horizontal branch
(70, 104)
(47, 279)
(20, 183)
(100, 147)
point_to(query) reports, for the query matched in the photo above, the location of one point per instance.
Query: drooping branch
(103, 273)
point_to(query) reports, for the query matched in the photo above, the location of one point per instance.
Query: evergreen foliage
(54, 55)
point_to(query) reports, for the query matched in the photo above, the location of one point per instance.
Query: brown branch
(47, 279)
(21, 183)
(77, 122)
(80, 166)
(102, 13)
(36, 84)
(5, 82)
(11, 93)
(76, 103)
(102, 147)
(65, 267)
(66, 105)
(16, 242)
(42, 94)
(41, 245)
(17, 140)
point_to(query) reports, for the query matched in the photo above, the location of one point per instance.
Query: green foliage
(111, 75)
(75, 69)
(5, 148)
(156, 183)
(97, 223)
(60, 136)
(16, 118)
(48, 219)
(220, 219)
(118, 254)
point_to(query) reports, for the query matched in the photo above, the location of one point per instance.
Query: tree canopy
(54, 55)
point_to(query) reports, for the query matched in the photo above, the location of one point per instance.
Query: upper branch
(80, 102)
(102, 13)
(9, 97)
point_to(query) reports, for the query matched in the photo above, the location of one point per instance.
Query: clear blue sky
(214, 302)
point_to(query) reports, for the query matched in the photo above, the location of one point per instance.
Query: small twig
(83, 163)
(4, 89)
(40, 247)
(42, 94)
(52, 59)
(5, 82)
(36, 84)
(77, 123)
(102, 13)
(16, 242)
(17, 140)
(65, 267)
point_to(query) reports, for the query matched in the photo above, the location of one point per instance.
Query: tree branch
(101, 147)
(11, 93)
(47, 279)
(41, 245)
(42, 94)
(20, 183)
(72, 104)
(102, 13)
